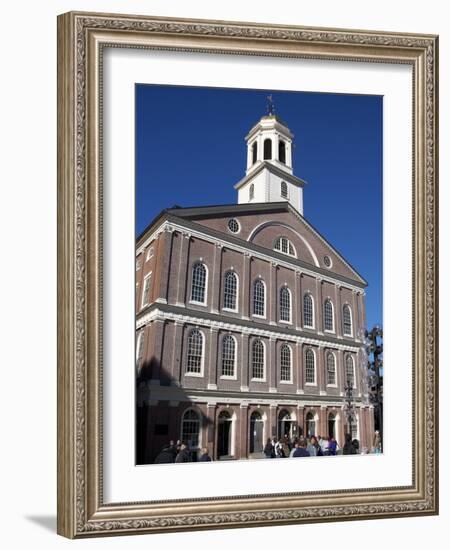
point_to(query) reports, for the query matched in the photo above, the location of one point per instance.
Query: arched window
(285, 363)
(308, 311)
(190, 429)
(284, 189)
(284, 245)
(257, 360)
(194, 352)
(350, 371)
(285, 304)
(259, 292)
(347, 320)
(282, 151)
(140, 350)
(310, 367)
(198, 283)
(254, 152)
(328, 320)
(228, 356)
(230, 290)
(331, 369)
(267, 149)
(251, 192)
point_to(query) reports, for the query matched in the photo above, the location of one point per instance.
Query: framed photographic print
(247, 283)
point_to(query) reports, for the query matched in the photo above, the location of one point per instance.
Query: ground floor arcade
(240, 430)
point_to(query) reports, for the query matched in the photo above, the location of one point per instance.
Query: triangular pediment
(261, 224)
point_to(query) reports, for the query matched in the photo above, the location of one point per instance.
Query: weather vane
(270, 105)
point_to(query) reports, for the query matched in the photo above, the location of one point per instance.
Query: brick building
(248, 322)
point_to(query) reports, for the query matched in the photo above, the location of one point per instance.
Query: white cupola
(269, 176)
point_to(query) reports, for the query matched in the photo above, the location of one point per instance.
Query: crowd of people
(309, 446)
(180, 452)
(283, 447)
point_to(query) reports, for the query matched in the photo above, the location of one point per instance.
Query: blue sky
(190, 150)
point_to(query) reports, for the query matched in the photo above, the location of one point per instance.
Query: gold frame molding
(81, 37)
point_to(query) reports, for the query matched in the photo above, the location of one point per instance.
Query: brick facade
(236, 412)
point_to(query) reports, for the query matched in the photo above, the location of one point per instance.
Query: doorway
(310, 424)
(224, 434)
(285, 425)
(256, 433)
(331, 425)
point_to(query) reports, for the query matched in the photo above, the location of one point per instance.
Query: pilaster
(177, 353)
(182, 269)
(272, 365)
(244, 362)
(215, 289)
(163, 265)
(158, 326)
(273, 294)
(213, 358)
(245, 291)
(298, 351)
(319, 306)
(298, 301)
(321, 381)
(338, 311)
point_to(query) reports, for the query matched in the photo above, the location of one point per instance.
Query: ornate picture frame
(82, 38)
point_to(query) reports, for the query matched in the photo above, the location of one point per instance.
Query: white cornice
(171, 226)
(158, 315)
(168, 393)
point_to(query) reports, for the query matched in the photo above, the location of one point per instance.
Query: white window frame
(315, 368)
(229, 376)
(197, 302)
(263, 379)
(150, 253)
(253, 299)
(335, 368)
(332, 330)
(351, 320)
(146, 278)
(199, 418)
(313, 310)
(281, 190)
(237, 291)
(315, 419)
(238, 224)
(202, 362)
(290, 381)
(139, 339)
(347, 356)
(289, 244)
(289, 322)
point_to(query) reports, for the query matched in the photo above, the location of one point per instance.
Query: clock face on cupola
(269, 175)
